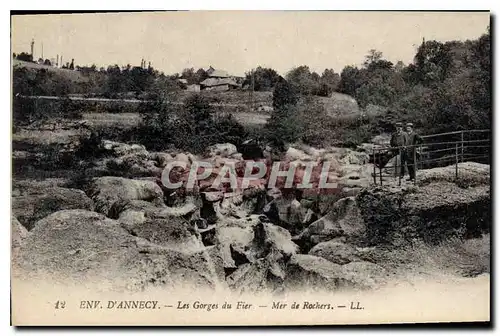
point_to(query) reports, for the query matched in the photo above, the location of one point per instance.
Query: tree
(284, 95)
(189, 75)
(329, 82)
(302, 80)
(350, 80)
(283, 126)
(47, 62)
(373, 56)
(200, 75)
(261, 79)
(432, 62)
(25, 57)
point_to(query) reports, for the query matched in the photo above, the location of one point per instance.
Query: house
(218, 80)
(219, 84)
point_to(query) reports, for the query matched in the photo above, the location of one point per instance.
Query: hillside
(73, 75)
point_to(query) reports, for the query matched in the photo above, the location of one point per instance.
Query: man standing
(413, 140)
(400, 139)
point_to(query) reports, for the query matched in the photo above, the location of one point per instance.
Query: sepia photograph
(250, 168)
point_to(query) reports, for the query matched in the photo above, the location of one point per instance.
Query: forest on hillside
(447, 87)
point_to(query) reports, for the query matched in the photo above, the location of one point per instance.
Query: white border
(190, 5)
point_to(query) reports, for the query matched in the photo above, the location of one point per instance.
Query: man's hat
(398, 124)
(409, 124)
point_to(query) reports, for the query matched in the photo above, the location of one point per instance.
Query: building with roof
(219, 84)
(218, 80)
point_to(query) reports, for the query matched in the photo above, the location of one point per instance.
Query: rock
(366, 274)
(470, 174)
(312, 273)
(383, 139)
(224, 150)
(172, 232)
(18, 235)
(182, 157)
(235, 238)
(218, 260)
(286, 212)
(81, 246)
(260, 276)
(353, 157)
(293, 154)
(237, 156)
(323, 229)
(271, 239)
(120, 149)
(160, 158)
(432, 212)
(108, 190)
(337, 253)
(35, 204)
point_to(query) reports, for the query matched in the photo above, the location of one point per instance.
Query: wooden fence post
(415, 164)
(398, 173)
(456, 161)
(380, 169)
(462, 142)
(374, 167)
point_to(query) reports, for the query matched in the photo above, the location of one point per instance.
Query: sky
(237, 41)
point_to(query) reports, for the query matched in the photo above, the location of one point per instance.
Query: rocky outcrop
(33, 204)
(343, 220)
(263, 275)
(470, 174)
(108, 190)
(18, 235)
(85, 246)
(306, 273)
(118, 149)
(224, 150)
(173, 232)
(431, 212)
(336, 252)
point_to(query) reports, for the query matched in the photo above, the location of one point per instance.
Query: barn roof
(218, 81)
(218, 73)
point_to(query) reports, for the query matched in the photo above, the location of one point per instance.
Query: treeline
(446, 88)
(112, 82)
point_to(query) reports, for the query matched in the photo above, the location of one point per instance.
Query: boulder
(235, 238)
(81, 246)
(367, 275)
(18, 235)
(432, 212)
(263, 275)
(470, 174)
(286, 212)
(294, 154)
(169, 231)
(269, 239)
(354, 157)
(118, 149)
(108, 190)
(34, 204)
(224, 150)
(336, 252)
(160, 158)
(312, 273)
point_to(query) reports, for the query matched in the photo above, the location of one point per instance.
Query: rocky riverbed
(123, 229)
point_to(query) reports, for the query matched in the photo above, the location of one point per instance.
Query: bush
(192, 127)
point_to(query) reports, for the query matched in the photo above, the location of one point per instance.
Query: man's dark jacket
(399, 140)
